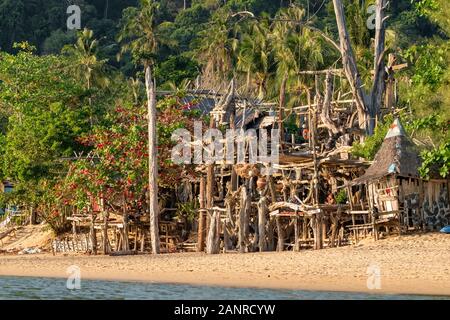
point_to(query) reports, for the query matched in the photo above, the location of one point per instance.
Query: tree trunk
(105, 233)
(93, 234)
(282, 106)
(243, 220)
(210, 183)
(316, 225)
(379, 84)
(368, 105)
(296, 234)
(153, 163)
(262, 212)
(125, 243)
(280, 232)
(213, 241)
(33, 216)
(201, 233)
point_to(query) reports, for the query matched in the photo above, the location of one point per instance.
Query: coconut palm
(217, 47)
(87, 66)
(254, 57)
(137, 33)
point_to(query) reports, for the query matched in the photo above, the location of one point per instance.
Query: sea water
(31, 288)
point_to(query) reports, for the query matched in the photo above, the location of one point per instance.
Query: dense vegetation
(60, 90)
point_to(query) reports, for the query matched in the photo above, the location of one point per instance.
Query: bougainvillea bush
(116, 168)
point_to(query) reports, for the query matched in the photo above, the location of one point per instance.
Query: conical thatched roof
(397, 156)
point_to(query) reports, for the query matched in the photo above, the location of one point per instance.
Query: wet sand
(412, 264)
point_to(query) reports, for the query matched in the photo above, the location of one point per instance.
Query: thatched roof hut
(397, 156)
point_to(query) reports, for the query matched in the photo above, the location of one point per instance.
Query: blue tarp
(446, 229)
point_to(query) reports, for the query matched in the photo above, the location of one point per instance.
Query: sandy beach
(414, 264)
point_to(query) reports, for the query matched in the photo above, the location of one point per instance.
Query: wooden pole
(212, 242)
(226, 237)
(234, 177)
(296, 234)
(262, 213)
(153, 162)
(281, 111)
(210, 184)
(125, 243)
(105, 228)
(93, 234)
(280, 245)
(312, 140)
(242, 236)
(201, 234)
(33, 216)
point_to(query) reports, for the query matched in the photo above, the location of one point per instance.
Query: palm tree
(87, 66)
(254, 57)
(138, 37)
(294, 48)
(217, 48)
(137, 33)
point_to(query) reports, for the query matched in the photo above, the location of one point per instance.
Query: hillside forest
(71, 97)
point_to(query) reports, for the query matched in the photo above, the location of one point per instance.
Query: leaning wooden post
(153, 161)
(262, 213)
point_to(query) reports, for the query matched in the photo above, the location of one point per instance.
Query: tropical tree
(254, 56)
(137, 36)
(88, 68)
(368, 102)
(217, 48)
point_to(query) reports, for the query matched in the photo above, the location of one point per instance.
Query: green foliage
(137, 33)
(48, 102)
(430, 62)
(57, 40)
(341, 196)
(436, 160)
(371, 144)
(46, 113)
(187, 210)
(176, 69)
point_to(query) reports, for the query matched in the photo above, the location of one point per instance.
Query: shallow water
(26, 288)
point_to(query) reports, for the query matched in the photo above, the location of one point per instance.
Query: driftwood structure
(397, 198)
(316, 195)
